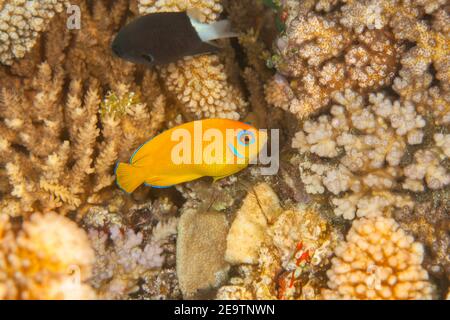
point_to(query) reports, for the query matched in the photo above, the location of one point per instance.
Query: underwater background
(359, 209)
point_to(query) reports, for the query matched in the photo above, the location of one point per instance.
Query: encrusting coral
(130, 262)
(199, 83)
(200, 251)
(282, 261)
(378, 261)
(21, 22)
(48, 258)
(370, 140)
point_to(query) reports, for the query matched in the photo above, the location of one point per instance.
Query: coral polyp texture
(126, 257)
(430, 222)
(21, 22)
(278, 252)
(199, 83)
(361, 46)
(65, 174)
(369, 140)
(207, 10)
(379, 260)
(48, 258)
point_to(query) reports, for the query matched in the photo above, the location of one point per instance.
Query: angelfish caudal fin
(128, 178)
(218, 30)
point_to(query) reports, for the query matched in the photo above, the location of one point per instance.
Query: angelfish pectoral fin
(220, 178)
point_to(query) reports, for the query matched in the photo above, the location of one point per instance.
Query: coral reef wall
(359, 209)
(64, 123)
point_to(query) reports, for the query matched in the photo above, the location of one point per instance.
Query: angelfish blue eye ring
(248, 133)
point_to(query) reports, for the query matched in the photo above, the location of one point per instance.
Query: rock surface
(248, 231)
(200, 251)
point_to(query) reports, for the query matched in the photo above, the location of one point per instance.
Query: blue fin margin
(157, 187)
(138, 149)
(117, 182)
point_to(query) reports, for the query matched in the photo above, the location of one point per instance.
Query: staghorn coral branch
(66, 174)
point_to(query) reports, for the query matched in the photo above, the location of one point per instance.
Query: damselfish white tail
(217, 30)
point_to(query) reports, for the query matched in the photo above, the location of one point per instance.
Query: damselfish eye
(246, 138)
(148, 57)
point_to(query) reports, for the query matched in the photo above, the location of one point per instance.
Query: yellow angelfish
(214, 148)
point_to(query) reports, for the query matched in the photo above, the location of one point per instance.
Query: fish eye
(246, 138)
(148, 57)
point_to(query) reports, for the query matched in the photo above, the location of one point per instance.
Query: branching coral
(48, 258)
(378, 261)
(329, 48)
(369, 142)
(199, 83)
(21, 22)
(209, 10)
(60, 133)
(66, 173)
(86, 53)
(320, 57)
